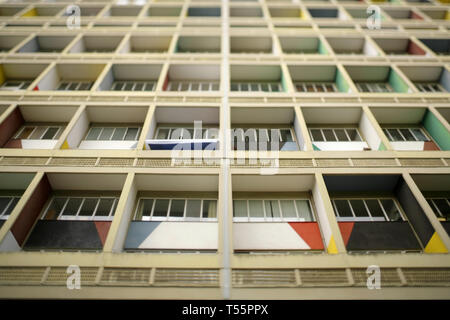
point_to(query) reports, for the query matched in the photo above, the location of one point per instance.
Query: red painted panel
(36, 88)
(310, 233)
(102, 229)
(9, 126)
(31, 211)
(14, 144)
(430, 145)
(416, 16)
(346, 230)
(413, 48)
(166, 83)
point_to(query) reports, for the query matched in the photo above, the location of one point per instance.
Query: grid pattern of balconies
(360, 118)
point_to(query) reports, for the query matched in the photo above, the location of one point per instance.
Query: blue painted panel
(138, 232)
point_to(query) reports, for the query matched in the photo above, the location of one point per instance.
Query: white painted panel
(78, 131)
(108, 145)
(50, 81)
(9, 243)
(266, 236)
(341, 146)
(369, 49)
(407, 145)
(183, 235)
(368, 131)
(38, 144)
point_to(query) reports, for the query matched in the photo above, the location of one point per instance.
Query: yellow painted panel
(332, 246)
(435, 245)
(65, 145)
(30, 13)
(447, 15)
(2, 75)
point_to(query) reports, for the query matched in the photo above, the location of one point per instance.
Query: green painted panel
(381, 147)
(341, 83)
(322, 48)
(315, 148)
(283, 82)
(396, 82)
(437, 130)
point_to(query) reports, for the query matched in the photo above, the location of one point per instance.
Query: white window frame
(389, 136)
(239, 85)
(210, 86)
(3, 216)
(78, 85)
(271, 219)
(421, 85)
(206, 130)
(134, 84)
(60, 129)
(76, 217)
(110, 139)
(335, 135)
(369, 218)
(374, 87)
(174, 219)
(22, 85)
(315, 85)
(435, 208)
(266, 130)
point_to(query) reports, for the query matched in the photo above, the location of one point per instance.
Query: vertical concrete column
(119, 226)
(327, 221)
(301, 125)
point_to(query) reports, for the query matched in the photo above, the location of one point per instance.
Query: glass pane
(131, 134)
(4, 201)
(118, 134)
(12, 206)
(304, 210)
(104, 207)
(25, 133)
(340, 133)
(286, 135)
(128, 86)
(163, 134)
(145, 209)
(419, 134)
(37, 134)
(72, 206)
(358, 208)
(177, 208)
(343, 208)
(316, 135)
(50, 134)
(73, 86)
(353, 134)
(256, 208)
(433, 207)
(55, 208)
(275, 87)
(106, 134)
(395, 135)
(195, 86)
(209, 209)
(193, 208)
(272, 208)
(62, 86)
(442, 206)
(375, 208)
(329, 135)
(139, 86)
(88, 207)
(408, 136)
(84, 86)
(234, 87)
(391, 210)
(288, 209)
(240, 208)
(161, 207)
(93, 133)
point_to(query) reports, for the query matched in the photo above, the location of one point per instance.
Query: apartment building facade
(208, 149)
